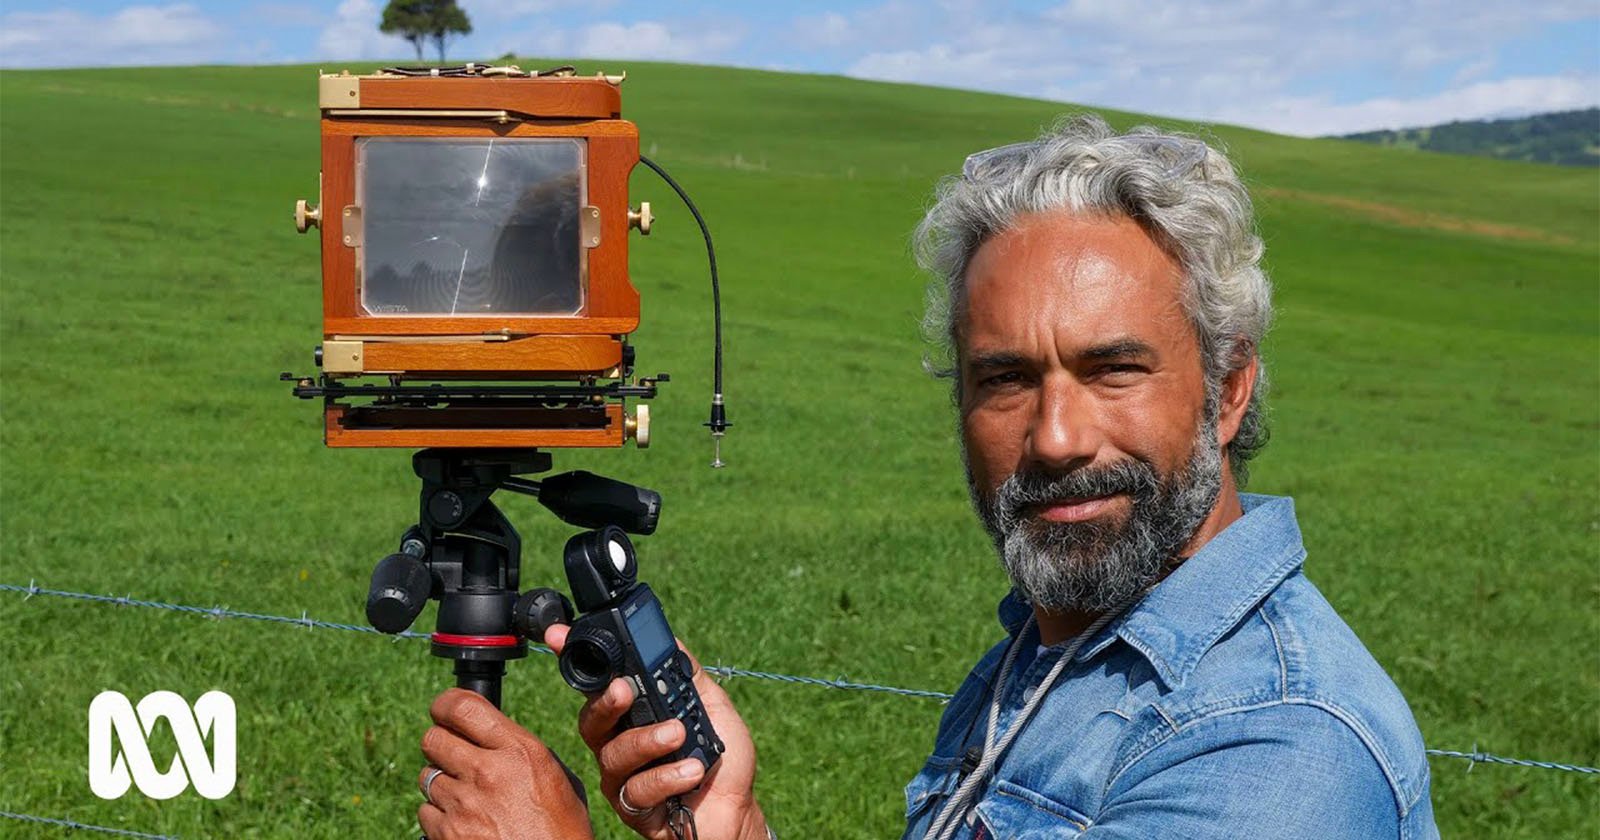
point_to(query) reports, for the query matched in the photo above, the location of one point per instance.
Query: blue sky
(1296, 67)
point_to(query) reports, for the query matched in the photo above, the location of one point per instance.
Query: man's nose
(1065, 431)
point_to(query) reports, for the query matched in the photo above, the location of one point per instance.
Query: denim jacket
(1231, 702)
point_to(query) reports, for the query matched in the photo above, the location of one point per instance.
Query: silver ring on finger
(427, 785)
(628, 807)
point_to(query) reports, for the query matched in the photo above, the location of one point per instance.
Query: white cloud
(497, 10)
(651, 39)
(1473, 70)
(172, 34)
(288, 14)
(705, 42)
(890, 26)
(942, 64)
(829, 30)
(354, 34)
(1314, 116)
(1249, 61)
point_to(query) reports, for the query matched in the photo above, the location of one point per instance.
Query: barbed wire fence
(1474, 757)
(74, 825)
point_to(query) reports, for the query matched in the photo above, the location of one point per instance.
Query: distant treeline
(1569, 138)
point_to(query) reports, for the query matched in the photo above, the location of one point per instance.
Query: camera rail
(325, 387)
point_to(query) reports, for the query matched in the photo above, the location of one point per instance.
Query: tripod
(464, 553)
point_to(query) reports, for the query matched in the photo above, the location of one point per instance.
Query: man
(1169, 670)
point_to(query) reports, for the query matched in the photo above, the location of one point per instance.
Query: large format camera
(475, 292)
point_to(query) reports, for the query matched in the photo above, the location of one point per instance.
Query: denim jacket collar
(1204, 598)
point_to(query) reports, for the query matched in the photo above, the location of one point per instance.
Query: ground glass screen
(457, 227)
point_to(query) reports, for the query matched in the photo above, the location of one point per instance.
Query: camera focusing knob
(307, 217)
(641, 218)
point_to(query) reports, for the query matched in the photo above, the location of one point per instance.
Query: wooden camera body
(475, 287)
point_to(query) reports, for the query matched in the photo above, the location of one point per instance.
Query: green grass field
(1436, 408)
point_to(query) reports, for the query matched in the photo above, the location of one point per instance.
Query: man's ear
(1237, 387)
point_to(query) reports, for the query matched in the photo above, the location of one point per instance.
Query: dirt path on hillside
(1419, 218)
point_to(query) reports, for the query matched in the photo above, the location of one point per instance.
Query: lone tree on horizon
(420, 21)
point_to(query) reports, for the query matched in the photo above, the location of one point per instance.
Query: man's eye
(1118, 373)
(998, 380)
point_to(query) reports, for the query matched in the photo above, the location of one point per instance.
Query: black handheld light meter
(622, 632)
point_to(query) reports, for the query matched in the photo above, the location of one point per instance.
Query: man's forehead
(1069, 243)
(1087, 276)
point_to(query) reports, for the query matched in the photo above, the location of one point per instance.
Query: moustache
(1031, 488)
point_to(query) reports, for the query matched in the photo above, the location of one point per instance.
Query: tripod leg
(482, 677)
(485, 678)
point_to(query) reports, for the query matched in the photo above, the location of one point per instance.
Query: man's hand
(724, 804)
(498, 781)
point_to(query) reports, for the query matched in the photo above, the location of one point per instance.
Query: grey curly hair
(1184, 193)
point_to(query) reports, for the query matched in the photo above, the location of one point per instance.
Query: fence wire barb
(1477, 758)
(722, 672)
(74, 825)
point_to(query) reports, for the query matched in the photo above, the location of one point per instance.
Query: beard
(1095, 565)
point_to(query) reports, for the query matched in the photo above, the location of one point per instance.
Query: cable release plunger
(719, 426)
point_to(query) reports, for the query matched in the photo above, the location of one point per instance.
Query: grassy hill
(1436, 410)
(1568, 138)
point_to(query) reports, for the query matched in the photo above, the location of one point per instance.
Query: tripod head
(464, 553)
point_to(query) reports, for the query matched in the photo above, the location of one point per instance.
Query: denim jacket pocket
(930, 788)
(1013, 812)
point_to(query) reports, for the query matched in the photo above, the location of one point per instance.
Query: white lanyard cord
(955, 810)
